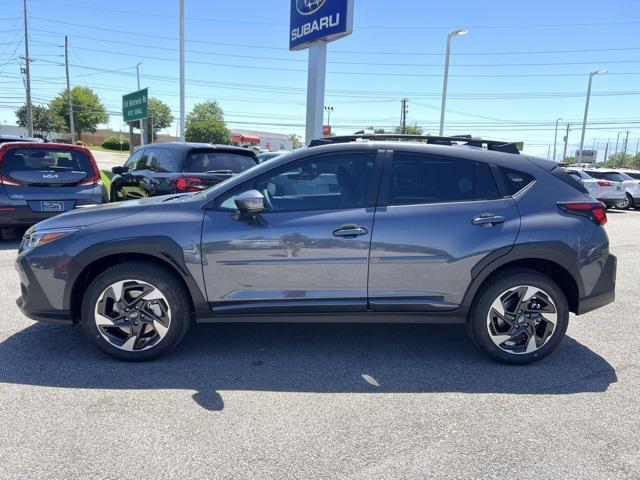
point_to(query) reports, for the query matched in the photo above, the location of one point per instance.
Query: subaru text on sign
(314, 20)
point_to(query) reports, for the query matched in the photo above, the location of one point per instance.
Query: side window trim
(374, 185)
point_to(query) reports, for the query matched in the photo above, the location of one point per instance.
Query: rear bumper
(21, 216)
(604, 292)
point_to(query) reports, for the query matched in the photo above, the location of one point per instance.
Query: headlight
(35, 238)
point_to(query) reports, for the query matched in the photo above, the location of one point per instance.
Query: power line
(334, 62)
(263, 47)
(373, 27)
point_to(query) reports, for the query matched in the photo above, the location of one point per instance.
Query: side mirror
(119, 170)
(251, 201)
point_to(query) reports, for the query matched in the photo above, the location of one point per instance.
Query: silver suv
(608, 191)
(353, 229)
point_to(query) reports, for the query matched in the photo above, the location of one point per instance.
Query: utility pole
(182, 75)
(403, 115)
(555, 140)
(27, 71)
(72, 127)
(606, 151)
(548, 152)
(626, 143)
(637, 146)
(566, 144)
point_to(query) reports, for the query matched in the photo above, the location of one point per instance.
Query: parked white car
(611, 193)
(631, 181)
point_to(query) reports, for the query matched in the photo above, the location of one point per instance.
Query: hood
(84, 217)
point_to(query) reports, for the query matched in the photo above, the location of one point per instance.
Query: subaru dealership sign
(314, 20)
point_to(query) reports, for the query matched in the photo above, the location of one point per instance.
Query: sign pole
(315, 90)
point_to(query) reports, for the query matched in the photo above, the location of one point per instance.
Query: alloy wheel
(132, 315)
(522, 320)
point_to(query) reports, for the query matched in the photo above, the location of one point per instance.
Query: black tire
(477, 323)
(165, 281)
(626, 205)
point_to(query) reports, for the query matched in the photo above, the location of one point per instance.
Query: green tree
(413, 129)
(44, 122)
(205, 123)
(160, 116)
(295, 141)
(621, 159)
(88, 110)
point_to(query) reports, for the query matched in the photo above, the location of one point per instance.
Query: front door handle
(487, 220)
(350, 231)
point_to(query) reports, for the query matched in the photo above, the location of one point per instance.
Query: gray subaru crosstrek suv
(355, 229)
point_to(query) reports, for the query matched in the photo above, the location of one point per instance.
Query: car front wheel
(521, 317)
(136, 311)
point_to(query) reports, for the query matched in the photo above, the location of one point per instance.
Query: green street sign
(135, 105)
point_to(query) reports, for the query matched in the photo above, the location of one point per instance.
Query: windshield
(218, 162)
(633, 175)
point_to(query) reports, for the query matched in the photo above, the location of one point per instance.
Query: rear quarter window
(515, 180)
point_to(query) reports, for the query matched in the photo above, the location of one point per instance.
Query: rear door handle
(487, 220)
(350, 231)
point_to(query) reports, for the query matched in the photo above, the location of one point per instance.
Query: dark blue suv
(360, 229)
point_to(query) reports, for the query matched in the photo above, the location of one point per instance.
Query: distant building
(265, 140)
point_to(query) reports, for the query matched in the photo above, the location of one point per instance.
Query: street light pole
(586, 112)
(451, 35)
(182, 74)
(555, 140)
(566, 144)
(142, 141)
(328, 110)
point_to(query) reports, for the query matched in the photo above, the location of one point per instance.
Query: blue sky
(521, 66)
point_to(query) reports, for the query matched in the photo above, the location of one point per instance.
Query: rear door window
(421, 179)
(215, 161)
(42, 165)
(163, 161)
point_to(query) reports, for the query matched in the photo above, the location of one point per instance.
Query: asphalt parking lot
(343, 401)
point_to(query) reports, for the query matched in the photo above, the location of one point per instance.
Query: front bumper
(42, 283)
(604, 292)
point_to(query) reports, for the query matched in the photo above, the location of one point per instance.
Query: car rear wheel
(626, 203)
(519, 318)
(136, 311)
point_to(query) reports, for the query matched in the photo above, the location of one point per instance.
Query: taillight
(90, 181)
(9, 181)
(605, 184)
(188, 184)
(594, 211)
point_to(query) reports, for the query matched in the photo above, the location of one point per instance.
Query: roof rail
(493, 145)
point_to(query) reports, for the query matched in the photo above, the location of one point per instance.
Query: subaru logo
(307, 7)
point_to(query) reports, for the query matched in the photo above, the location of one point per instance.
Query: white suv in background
(631, 181)
(609, 192)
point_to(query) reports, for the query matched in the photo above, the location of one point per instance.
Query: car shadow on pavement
(9, 245)
(372, 359)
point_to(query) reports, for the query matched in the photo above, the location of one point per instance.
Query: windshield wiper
(225, 172)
